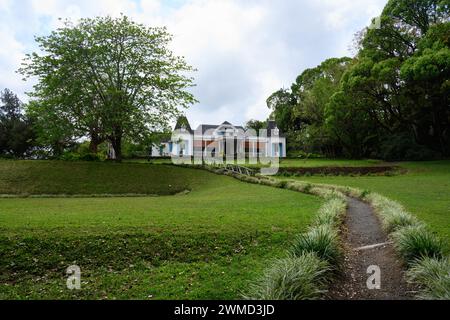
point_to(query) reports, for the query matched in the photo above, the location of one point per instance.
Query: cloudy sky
(244, 50)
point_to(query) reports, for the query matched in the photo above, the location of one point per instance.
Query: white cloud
(11, 55)
(244, 50)
(5, 5)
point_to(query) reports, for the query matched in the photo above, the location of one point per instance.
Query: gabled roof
(272, 125)
(207, 127)
(183, 122)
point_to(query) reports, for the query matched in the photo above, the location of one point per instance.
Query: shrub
(364, 194)
(331, 213)
(403, 147)
(321, 240)
(293, 278)
(416, 242)
(273, 183)
(433, 276)
(298, 186)
(90, 157)
(283, 184)
(394, 216)
(70, 156)
(397, 220)
(251, 179)
(324, 192)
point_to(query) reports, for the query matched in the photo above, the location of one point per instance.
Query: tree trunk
(116, 142)
(96, 141)
(93, 146)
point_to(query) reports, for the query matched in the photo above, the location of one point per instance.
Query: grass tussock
(303, 274)
(394, 216)
(298, 186)
(417, 242)
(332, 213)
(433, 276)
(292, 278)
(398, 220)
(325, 193)
(323, 241)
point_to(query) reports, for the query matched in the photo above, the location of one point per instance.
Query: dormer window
(276, 131)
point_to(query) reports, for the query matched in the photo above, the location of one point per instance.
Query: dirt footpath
(366, 245)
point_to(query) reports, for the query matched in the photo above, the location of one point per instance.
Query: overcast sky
(244, 50)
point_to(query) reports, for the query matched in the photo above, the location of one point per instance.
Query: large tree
(16, 132)
(391, 100)
(300, 112)
(400, 73)
(109, 79)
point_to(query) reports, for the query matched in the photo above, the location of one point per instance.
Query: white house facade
(225, 140)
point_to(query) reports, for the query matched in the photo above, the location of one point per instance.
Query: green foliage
(331, 213)
(16, 131)
(433, 276)
(256, 125)
(417, 242)
(300, 112)
(323, 241)
(108, 79)
(305, 155)
(403, 147)
(295, 278)
(397, 220)
(393, 93)
(281, 103)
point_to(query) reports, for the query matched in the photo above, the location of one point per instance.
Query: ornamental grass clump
(417, 242)
(397, 220)
(332, 213)
(433, 277)
(394, 217)
(321, 240)
(292, 278)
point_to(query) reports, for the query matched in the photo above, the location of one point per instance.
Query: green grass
(90, 178)
(434, 277)
(208, 244)
(424, 191)
(323, 241)
(416, 242)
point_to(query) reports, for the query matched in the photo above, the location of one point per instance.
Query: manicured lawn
(88, 178)
(204, 245)
(424, 191)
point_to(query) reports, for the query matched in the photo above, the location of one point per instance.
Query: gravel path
(362, 228)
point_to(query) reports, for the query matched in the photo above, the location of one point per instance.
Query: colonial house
(224, 140)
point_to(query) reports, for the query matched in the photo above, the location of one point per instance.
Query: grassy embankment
(207, 244)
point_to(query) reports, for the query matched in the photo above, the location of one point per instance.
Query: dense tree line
(391, 101)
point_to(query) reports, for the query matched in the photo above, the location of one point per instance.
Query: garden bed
(336, 171)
